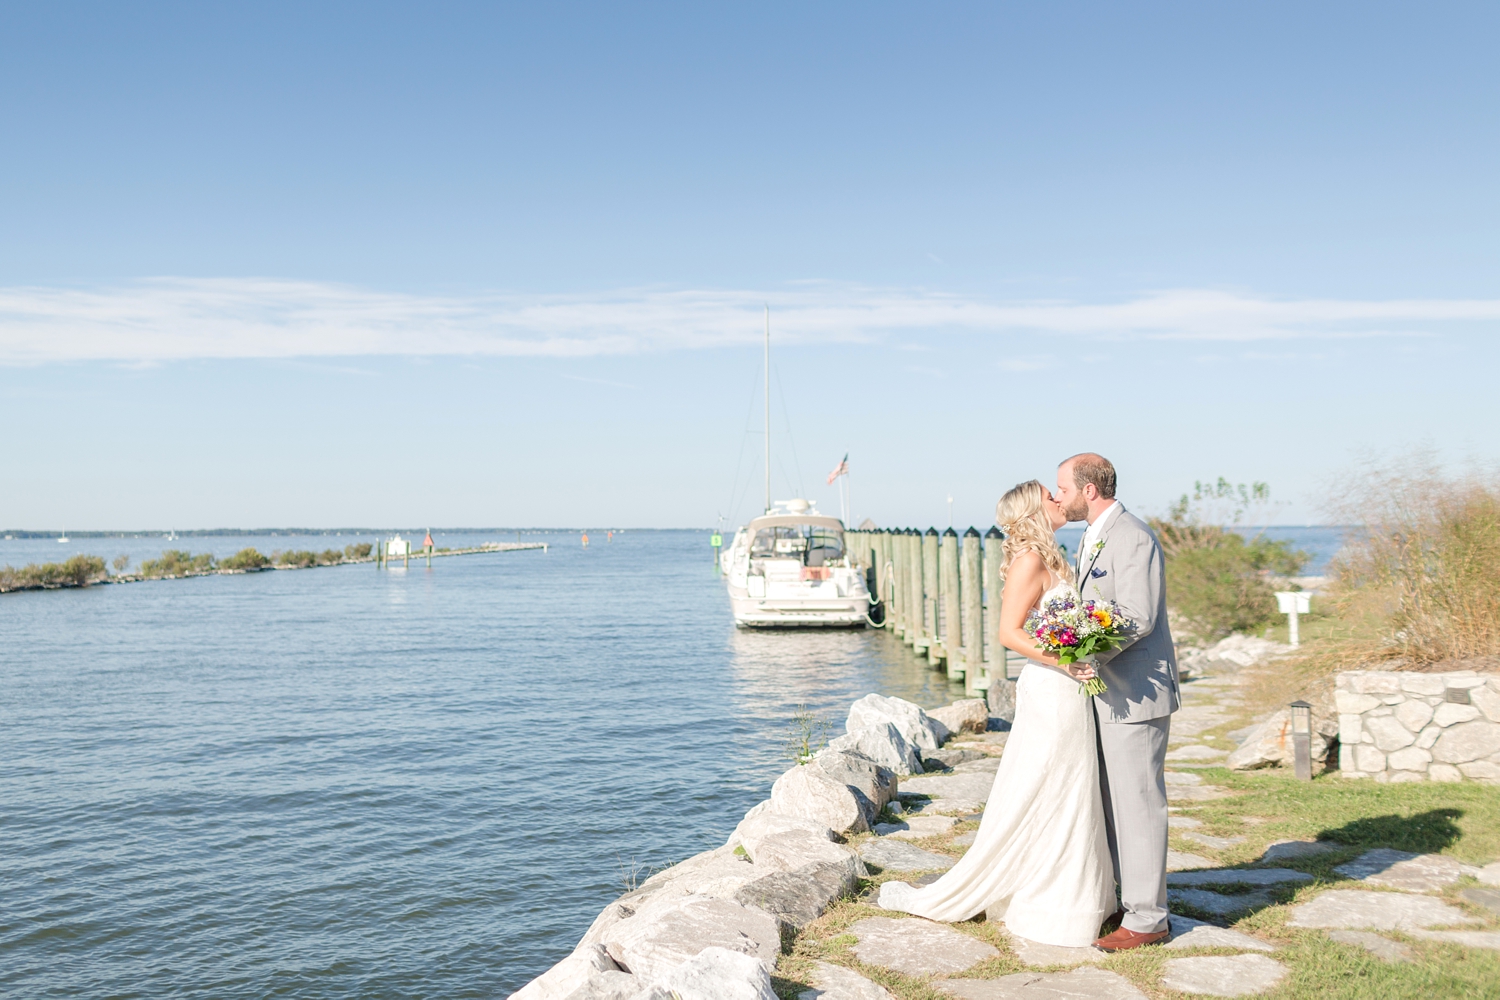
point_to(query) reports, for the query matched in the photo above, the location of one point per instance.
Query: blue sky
(499, 264)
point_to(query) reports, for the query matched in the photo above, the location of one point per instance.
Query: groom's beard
(1079, 511)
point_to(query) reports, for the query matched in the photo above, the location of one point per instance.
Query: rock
(1400, 870)
(917, 827)
(966, 715)
(958, 793)
(1382, 948)
(1196, 751)
(1481, 770)
(1294, 850)
(915, 725)
(917, 947)
(1223, 975)
(568, 976)
(883, 744)
(1388, 733)
(1183, 822)
(1001, 698)
(1086, 983)
(1444, 772)
(1190, 933)
(1037, 954)
(1490, 874)
(1190, 793)
(1487, 701)
(1217, 903)
(611, 985)
(985, 765)
(1487, 898)
(1193, 720)
(791, 850)
(834, 982)
(718, 974)
(1217, 843)
(763, 820)
(1414, 714)
(1178, 778)
(949, 757)
(719, 873)
(872, 784)
(670, 929)
(798, 898)
(1448, 714)
(808, 793)
(1231, 653)
(966, 839)
(1469, 939)
(1269, 744)
(1411, 759)
(1467, 741)
(1381, 911)
(898, 856)
(1238, 876)
(1178, 860)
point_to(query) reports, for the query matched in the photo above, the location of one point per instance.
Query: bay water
(347, 782)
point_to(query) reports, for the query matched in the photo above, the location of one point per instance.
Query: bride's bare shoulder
(1025, 565)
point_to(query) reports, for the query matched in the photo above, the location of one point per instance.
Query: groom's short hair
(1091, 468)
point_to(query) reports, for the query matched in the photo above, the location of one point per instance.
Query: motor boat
(789, 567)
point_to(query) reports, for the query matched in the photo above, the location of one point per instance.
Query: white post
(1292, 603)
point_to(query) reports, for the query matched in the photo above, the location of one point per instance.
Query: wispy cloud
(169, 319)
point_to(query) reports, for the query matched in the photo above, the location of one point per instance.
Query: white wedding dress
(1041, 858)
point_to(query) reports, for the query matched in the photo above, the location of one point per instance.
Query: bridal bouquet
(1072, 629)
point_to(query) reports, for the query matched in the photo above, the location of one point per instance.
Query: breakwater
(719, 924)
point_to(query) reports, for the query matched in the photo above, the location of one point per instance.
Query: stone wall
(1398, 726)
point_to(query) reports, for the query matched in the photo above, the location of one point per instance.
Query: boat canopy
(795, 521)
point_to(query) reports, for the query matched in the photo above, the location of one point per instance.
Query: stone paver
(1381, 911)
(966, 839)
(1219, 904)
(1196, 751)
(1223, 976)
(1401, 870)
(1469, 939)
(1085, 983)
(1183, 822)
(834, 982)
(898, 856)
(1194, 793)
(1295, 850)
(1238, 876)
(1490, 874)
(1382, 948)
(1178, 778)
(1190, 933)
(1487, 898)
(917, 947)
(954, 792)
(1178, 860)
(916, 827)
(1036, 953)
(1217, 843)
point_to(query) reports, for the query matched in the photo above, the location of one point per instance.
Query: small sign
(717, 541)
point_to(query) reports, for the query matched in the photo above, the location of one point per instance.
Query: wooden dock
(941, 596)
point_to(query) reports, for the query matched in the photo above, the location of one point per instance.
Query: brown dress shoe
(1124, 940)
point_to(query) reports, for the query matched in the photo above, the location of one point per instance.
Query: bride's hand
(1081, 671)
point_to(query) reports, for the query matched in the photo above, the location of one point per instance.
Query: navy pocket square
(1097, 573)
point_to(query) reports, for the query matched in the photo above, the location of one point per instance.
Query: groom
(1120, 560)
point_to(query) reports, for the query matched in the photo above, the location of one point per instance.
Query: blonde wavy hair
(1027, 528)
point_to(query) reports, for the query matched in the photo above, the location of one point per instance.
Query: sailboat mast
(768, 406)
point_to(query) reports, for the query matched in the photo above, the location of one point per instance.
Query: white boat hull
(792, 586)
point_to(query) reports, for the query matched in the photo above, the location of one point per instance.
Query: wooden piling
(915, 615)
(993, 584)
(948, 584)
(933, 649)
(975, 681)
(897, 541)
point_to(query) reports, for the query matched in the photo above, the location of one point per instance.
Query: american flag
(842, 469)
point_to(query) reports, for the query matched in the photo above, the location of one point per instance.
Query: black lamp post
(1302, 739)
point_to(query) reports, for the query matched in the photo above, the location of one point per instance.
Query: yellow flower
(1102, 617)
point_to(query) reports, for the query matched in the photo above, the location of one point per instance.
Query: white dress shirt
(1095, 531)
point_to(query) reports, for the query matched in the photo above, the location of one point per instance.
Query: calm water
(350, 783)
(343, 782)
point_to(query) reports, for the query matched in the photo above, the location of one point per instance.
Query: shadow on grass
(1423, 833)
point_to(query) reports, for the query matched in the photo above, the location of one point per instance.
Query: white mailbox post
(1293, 603)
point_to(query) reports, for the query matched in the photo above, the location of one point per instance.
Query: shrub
(246, 559)
(79, 571)
(177, 562)
(296, 559)
(121, 561)
(330, 557)
(1219, 581)
(360, 551)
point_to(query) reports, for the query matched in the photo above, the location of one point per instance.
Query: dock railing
(941, 596)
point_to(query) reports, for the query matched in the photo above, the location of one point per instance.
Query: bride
(1041, 859)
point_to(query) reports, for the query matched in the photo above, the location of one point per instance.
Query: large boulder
(883, 744)
(790, 850)
(874, 783)
(670, 929)
(718, 974)
(966, 715)
(763, 820)
(920, 729)
(719, 872)
(1269, 743)
(1001, 698)
(807, 793)
(799, 897)
(569, 976)
(1229, 654)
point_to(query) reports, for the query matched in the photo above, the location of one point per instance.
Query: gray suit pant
(1132, 764)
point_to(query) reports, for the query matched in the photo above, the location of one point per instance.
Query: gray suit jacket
(1130, 571)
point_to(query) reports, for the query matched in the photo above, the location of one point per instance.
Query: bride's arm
(1026, 580)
